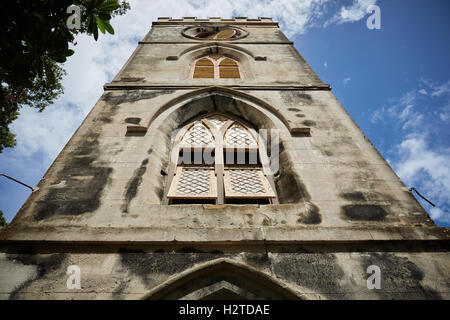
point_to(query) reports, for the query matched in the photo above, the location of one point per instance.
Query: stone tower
(218, 165)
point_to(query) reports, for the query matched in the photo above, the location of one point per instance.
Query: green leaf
(101, 25)
(49, 73)
(110, 5)
(58, 58)
(104, 16)
(95, 4)
(39, 16)
(95, 32)
(91, 24)
(108, 27)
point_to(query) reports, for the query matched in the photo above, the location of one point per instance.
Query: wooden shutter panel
(229, 69)
(247, 183)
(193, 182)
(204, 68)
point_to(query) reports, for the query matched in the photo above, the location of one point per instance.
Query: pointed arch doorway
(222, 279)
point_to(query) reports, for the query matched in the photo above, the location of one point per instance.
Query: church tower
(217, 165)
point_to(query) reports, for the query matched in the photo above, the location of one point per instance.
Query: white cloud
(427, 169)
(408, 98)
(438, 214)
(325, 64)
(423, 91)
(444, 113)
(378, 115)
(401, 111)
(410, 118)
(406, 112)
(346, 81)
(352, 13)
(417, 161)
(47, 132)
(441, 90)
(413, 122)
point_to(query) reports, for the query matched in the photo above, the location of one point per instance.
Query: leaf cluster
(3, 222)
(34, 42)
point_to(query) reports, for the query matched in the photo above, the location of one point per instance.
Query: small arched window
(228, 68)
(204, 68)
(219, 160)
(217, 67)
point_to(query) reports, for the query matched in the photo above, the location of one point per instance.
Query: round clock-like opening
(214, 33)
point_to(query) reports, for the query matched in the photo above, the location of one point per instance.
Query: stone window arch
(219, 160)
(217, 67)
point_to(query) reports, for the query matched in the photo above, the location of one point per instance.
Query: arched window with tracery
(219, 160)
(217, 67)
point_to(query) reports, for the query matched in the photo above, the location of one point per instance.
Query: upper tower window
(228, 68)
(204, 68)
(216, 67)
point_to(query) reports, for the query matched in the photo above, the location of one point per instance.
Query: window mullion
(216, 69)
(220, 166)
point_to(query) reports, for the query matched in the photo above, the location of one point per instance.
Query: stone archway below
(222, 279)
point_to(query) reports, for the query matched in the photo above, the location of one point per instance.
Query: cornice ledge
(117, 85)
(251, 235)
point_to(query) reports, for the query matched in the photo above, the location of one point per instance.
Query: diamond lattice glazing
(194, 181)
(198, 134)
(246, 181)
(237, 135)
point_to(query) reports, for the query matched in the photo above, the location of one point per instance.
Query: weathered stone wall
(104, 173)
(305, 272)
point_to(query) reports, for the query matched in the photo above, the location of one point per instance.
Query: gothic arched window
(219, 160)
(228, 68)
(204, 68)
(217, 67)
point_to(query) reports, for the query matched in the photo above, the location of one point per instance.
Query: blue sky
(394, 82)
